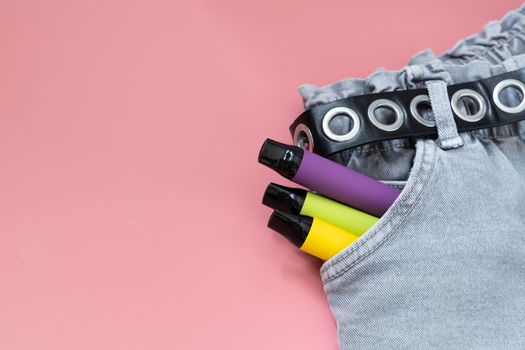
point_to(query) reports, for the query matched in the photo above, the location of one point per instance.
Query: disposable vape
(302, 202)
(328, 178)
(311, 235)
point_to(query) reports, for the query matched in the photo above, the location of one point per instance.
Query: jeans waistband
(498, 49)
(439, 110)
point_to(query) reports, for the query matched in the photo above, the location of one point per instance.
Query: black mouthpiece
(284, 198)
(294, 228)
(285, 159)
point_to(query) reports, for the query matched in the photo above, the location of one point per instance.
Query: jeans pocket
(399, 211)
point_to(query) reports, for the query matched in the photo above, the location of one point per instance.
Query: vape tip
(295, 228)
(288, 199)
(284, 159)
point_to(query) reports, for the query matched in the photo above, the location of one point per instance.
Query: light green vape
(302, 202)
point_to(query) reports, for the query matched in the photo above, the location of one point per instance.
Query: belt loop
(448, 136)
(510, 64)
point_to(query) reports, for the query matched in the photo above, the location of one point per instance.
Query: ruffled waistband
(499, 48)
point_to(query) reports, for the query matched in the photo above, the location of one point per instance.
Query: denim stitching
(471, 133)
(384, 149)
(392, 231)
(498, 44)
(431, 160)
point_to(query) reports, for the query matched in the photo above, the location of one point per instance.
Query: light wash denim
(444, 268)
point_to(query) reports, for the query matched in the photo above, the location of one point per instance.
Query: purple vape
(328, 178)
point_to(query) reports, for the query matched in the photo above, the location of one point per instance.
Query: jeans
(444, 268)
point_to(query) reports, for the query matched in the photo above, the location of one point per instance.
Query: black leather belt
(311, 130)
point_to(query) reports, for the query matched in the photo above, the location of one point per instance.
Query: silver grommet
(389, 104)
(300, 133)
(458, 95)
(417, 116)
(505, 84)
(337, 111)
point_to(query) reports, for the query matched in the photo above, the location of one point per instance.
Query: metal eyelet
(417, 116)
(505, 84)
(301, 134)
(389, 104)
(337, 111)
(458, 95)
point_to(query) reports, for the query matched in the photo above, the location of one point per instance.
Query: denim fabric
(444, 268)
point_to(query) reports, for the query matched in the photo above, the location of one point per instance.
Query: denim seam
(496, 45)
(481, 137)
(383, 149)
(427, 160)
(500, 138)
(387, 236)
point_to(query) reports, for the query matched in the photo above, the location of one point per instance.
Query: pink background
(130, 213)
